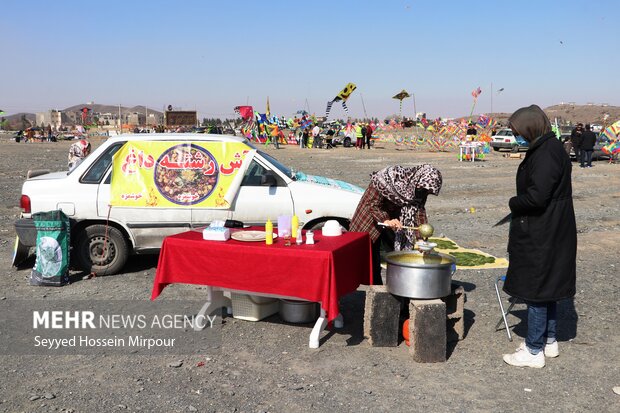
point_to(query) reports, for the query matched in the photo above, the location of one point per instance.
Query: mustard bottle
(294, 226)
(269, 232)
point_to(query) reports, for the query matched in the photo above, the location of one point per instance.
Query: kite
(246, 112)
(475, 93)
(400, 96)
(500, 91)
(342, 96)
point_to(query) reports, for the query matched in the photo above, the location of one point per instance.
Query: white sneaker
(523, 358)
(551, 350)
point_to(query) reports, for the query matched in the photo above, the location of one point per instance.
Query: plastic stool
(501, 306)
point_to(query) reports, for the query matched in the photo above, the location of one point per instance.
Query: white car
(504, 139)
(102, 237)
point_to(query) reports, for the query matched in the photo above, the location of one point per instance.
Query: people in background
(575, 140)
(588, 140)
(316, 138)
(330, 137)
(395, 197)
(471, 131)
(368, 135)
(359, 136)
(542, 242)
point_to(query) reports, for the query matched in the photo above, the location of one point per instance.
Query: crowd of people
(582, 142)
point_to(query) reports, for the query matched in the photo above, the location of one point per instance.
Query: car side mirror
(268, 180)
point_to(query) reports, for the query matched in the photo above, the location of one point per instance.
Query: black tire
(347, 142)
(515, 149)
(90, 254)
(496, 149)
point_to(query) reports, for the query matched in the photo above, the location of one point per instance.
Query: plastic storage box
(253, 308)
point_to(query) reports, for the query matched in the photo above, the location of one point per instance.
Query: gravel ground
(267, 366)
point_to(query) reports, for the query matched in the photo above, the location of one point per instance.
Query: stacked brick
(432, 323)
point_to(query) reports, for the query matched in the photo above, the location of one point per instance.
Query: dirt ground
(267, 366)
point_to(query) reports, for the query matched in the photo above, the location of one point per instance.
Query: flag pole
(363, 105)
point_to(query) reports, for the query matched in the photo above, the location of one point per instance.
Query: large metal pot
(293, 311)
(415, 275)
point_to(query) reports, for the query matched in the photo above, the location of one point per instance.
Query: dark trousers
(368, 141)
(586, 157)
(577, 153)
(385, 240)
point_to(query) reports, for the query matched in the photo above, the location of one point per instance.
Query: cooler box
(253, 308)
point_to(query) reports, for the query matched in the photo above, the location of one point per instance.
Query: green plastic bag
(52, 264)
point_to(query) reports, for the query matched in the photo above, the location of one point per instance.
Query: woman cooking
(542, 242)
(396, 197)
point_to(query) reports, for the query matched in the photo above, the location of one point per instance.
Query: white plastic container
(216, 234)
(252, 307)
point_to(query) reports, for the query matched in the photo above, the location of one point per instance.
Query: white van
(103, 236)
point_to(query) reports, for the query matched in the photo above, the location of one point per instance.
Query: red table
(322, 272)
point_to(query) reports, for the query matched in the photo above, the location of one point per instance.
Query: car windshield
(277, 164)
(505, 132)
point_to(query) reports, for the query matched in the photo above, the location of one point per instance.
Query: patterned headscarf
(401, 185)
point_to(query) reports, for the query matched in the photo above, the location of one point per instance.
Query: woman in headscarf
(395, 197)
(542, 242)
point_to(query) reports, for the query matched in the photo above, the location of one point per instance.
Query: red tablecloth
(325, 271)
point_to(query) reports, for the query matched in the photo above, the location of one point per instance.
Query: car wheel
(347, 142)
(95, 253)
(496, 149)
(515, 148)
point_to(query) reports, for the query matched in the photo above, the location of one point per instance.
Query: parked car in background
(342, 139)
(504, 139)
(103, 236)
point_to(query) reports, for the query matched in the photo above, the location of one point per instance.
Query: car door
(147, 226)
(263, 194)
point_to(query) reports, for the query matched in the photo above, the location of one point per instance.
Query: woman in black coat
(542, 244)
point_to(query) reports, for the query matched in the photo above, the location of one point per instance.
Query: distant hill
(569, 114)
(110, 109)
(14, 122)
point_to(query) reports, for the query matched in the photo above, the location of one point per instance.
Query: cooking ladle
(425, 230)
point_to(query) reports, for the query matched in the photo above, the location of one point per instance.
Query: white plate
(426, 246)
(250, 236)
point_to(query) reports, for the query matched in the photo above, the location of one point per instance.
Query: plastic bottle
(299, 239)
(269, 232)
(294, 226)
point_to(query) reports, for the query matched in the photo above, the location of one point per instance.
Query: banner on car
(178, 174)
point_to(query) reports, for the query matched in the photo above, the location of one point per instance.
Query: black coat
(542, 244)
(588, 140)
(575, 138)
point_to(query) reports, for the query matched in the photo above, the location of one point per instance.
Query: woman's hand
(393, 223)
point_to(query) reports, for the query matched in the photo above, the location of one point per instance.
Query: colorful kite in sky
(400, 96)
(342, 96)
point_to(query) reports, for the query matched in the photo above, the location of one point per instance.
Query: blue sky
(214, 55)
